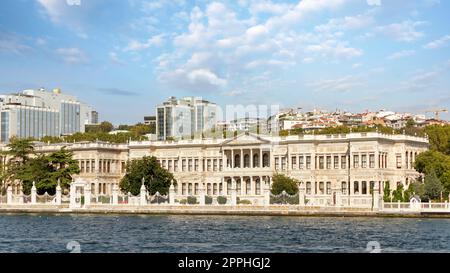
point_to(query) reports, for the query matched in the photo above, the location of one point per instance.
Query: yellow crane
(437, 112)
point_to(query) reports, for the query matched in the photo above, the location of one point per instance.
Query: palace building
(351, 164)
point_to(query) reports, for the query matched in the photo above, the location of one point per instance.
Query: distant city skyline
(127, 57)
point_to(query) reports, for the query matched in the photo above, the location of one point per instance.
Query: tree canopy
(157, 179)
(282, 183)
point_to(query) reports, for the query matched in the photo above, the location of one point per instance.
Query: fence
(416, 206)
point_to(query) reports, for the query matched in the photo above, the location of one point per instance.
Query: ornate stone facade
(350, 164)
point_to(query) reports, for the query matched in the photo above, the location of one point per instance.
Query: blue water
(94, 233)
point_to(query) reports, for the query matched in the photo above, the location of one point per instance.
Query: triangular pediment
(246, 139)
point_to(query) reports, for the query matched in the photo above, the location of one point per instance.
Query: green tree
(387, 192)
(20, 149)
(63, 167)
(106, 127)
(156, 178)
(397, 194)
(432, 161)
(433, 187)
(439, 137)
(282, 183)
(37, 169)
(417, 188)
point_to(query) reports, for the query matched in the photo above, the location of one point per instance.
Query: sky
(124, 57)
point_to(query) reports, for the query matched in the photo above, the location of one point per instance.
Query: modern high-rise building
(39, 113)
(182, 118)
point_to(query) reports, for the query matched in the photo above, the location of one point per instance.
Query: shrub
(183, 201)
(192, 200)
(244, 202)
(208, 200)
(222, 200)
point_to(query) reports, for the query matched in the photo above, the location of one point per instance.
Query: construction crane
(437, 112)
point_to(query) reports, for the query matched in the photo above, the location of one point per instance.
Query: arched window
(356, 187)
(266, 162)
(246, 161)
(255, 161)
(237, 161)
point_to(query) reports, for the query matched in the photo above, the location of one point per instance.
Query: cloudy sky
(126, 56)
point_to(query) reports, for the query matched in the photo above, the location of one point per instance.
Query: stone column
(73, 194)
(9, 195)
(87, 195)
(115, 194)
(376, 197)
(58, 194)
(301, 194)
(33, 193)
(232, 158)
(251, 158)
(266, 194)
(242, 159)
(233, 192)
(201, 192)
(172, 194)
(143, 196)
(260, 158)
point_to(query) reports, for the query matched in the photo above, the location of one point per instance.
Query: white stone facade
(350, 164)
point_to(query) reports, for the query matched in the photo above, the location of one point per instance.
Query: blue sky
(126, 56)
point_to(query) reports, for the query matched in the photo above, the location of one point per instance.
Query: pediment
(245, 139)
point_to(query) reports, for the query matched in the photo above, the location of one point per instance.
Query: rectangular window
(328, 188)
(196, 165)
(372, 161)
(294, 162)
(344, 187)
(336, 162)
(277, 163)
(364, 161)
(183, 165)
(175, 165)
(190, 166)
(343, 162)
(308, 162)
(355, 161)
(308, 187)
(283, 163)
(300, 162)
(328, 162)
(321, 163)
(208, 162)
(321, 188)
(399, 161)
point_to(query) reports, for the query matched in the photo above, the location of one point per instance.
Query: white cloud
(401, 54)
(265, 6)
(374, 2)
(343, 84)
(334, 49)
(12, 43)
(441, 42)
(72, 55)
(134, 45)
(348, 22)
(404, 32)
(115, 58)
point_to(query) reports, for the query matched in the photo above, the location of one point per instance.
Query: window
(300, 162)
(406, 159)
(257, 187)
(321, 188)
(247, 187)
(344, 187)
(208, 162)
(283, 163)
(308, 187)
(183, 165)
(208, 189)
(190, 189)
(237, 161)
(277, 163)
(356, 187)
(343, 162)
(321, 166)
(196, 164)
(328, 188)
(255, 161)
(294, 162)
(183, 189)
(229, 186)
(336, 162)
(215, 188)
(246, 161)
(175, 165)
(170, 165)
(399, 161)
(355, 161)
(364, 161)
(266, 162)
(190, 166)
(308, 162)
(196, 188)
(363, 187)
(372, 161)
(328, 162)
